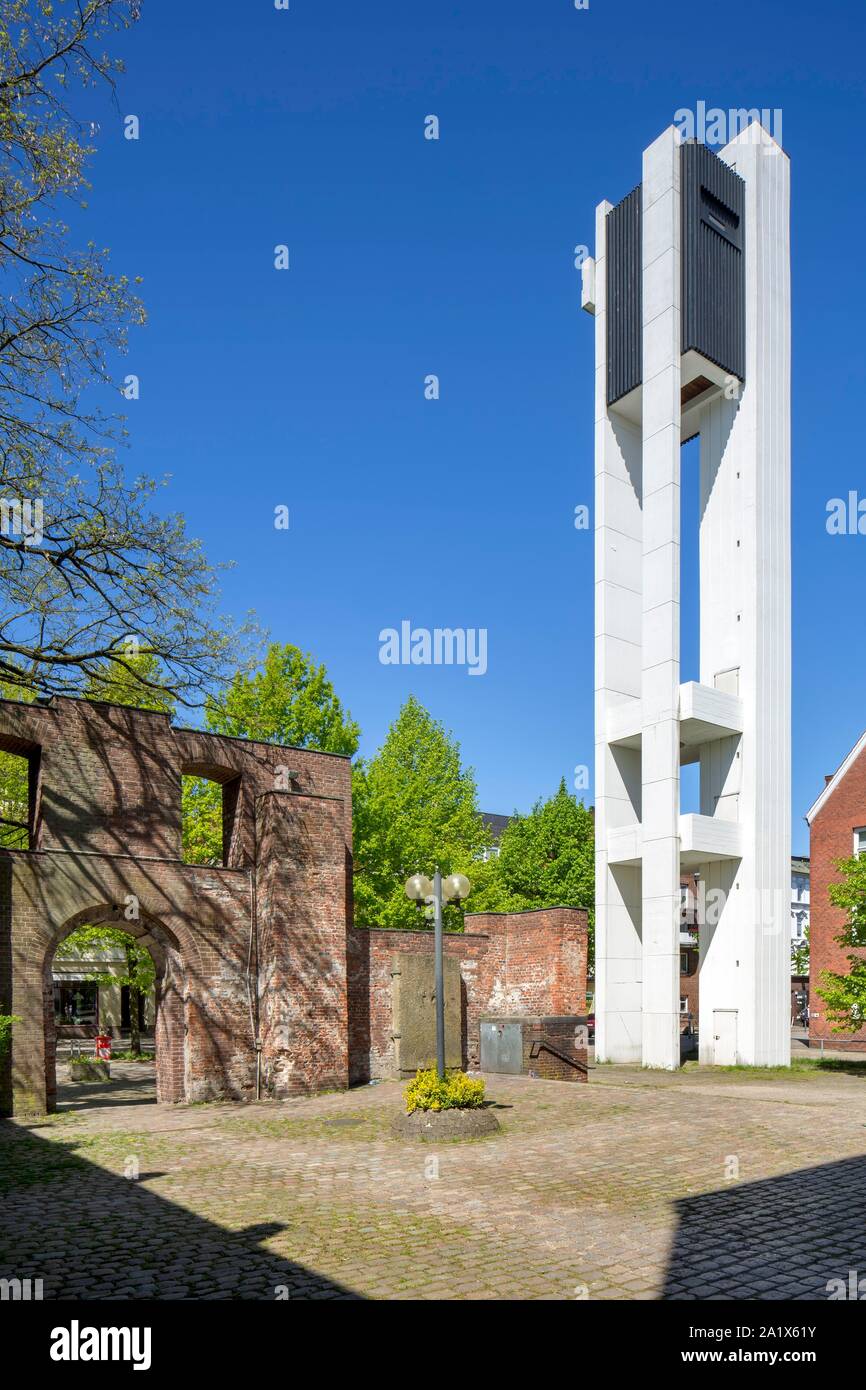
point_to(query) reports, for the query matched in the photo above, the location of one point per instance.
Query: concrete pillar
(746, 631)
(661, 600)
(617, 682)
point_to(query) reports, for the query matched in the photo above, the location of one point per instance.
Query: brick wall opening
(19, 766)
(210, 797)
(253, 940)
(170, 990)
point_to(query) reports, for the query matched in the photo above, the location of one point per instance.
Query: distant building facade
(837, 829)
(496, 825)
(83, 1005)
(800, 885)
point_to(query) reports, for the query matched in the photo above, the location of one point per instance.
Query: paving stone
(618, 1186)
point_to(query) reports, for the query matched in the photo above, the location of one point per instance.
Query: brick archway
(171, 995)
(253, 949)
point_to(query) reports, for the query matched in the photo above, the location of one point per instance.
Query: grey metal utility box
(553, 1048)
(502, 1047)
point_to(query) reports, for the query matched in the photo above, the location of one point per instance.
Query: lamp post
(431, 895)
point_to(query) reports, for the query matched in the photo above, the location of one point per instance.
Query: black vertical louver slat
(713, 259)
(624, 365)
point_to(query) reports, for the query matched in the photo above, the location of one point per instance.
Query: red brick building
(837, 827)
(253, 955)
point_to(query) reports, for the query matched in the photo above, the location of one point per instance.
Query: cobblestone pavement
(640, 1185)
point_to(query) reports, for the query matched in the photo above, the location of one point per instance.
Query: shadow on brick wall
(358, 991)
(5, 980)
(89, 1233)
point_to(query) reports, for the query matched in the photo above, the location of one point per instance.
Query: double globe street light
(431, 896)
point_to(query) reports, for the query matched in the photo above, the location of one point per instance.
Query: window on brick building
(204, 825)
(860, 840)
(15, 800)
(684, 1006)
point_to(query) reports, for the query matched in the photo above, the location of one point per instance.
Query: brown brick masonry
(106, 843)
(831, 839)
(257, 950)
(521, 963)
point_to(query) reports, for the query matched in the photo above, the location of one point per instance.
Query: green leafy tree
(14, 801)
(800, 955)
(202, 819)
(137, 969)
(845, 993)
(14, 785)
(546, 859)
(139, 682)
(290, 701)
(415, 806)
(84, 558)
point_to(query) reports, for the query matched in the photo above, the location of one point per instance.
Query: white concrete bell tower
(691, 295)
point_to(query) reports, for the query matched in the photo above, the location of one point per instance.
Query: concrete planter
(446, 1124)
(89, 1069)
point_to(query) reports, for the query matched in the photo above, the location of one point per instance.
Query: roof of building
(833, 782)
(494, 822)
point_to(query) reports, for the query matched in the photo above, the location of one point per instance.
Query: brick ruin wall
(259, 948)
(105, 839)
(522, 963)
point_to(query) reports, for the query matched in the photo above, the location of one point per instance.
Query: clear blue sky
(454, 257)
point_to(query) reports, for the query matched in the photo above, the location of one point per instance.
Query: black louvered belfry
(713, 202)
(624, 301)
(713, 272)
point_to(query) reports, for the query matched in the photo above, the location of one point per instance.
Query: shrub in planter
(455, 1091)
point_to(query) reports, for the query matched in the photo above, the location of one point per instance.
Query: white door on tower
(725, 1037)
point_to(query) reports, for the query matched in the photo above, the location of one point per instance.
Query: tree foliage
(139, 682)
(546, 859)
(85, 560)
(844, 993)
(202, 821)
(290, 701)
(14, 785)
(800, 955)
(415, 806)
(7, 1023)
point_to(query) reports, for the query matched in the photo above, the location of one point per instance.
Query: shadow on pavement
(87, 1233)
(780, 1238)
(132, 1083)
